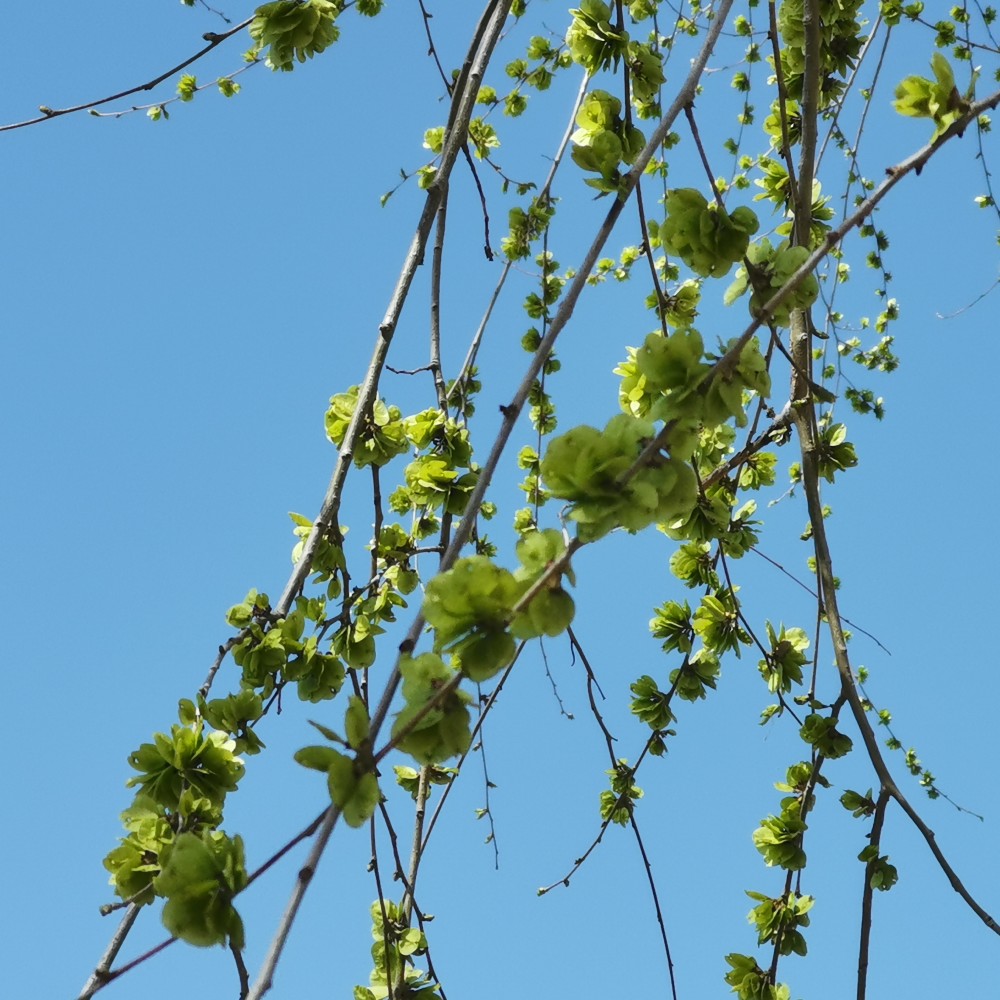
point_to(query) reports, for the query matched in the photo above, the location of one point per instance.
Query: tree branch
(866, 896)
(214, 40)
(101, 974)
(805, 420)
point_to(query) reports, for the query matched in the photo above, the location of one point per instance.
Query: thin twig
(552, 681)
(177, 98)
(591, 684)
(777, 426)
(487, 785)
(656, 904)
(696, 135)
(809, 590)
(640, 208)
(471, 163)
(129, 966)
(579, 862)
(542, 197)
(475, 730)
(212, 10)
(432, 48)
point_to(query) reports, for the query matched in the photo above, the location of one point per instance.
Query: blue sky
(180, 301)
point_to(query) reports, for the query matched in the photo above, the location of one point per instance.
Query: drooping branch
(805, 418)
(214, 39)
(805, 424)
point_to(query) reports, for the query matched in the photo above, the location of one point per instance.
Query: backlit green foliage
(200, 875)
(604, 140)
(706, 418)
(706, 237)
(938, 99)
(290, 30)
(766, 272)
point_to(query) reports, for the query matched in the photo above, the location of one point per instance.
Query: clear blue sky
(180, 301)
